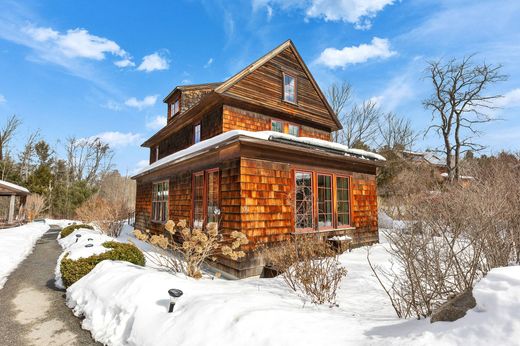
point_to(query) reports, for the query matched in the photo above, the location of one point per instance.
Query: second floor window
(294, 130)
(289, 88)
(196, 134)
(276, 126)
(175, 107)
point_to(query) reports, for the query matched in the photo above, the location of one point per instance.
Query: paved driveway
(32, 310)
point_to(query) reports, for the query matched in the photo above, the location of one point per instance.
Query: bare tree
(395, 132)
(26, 157)
(459, 103)
(339, 96)
(7, 132)
(88, 158)
(360, 126)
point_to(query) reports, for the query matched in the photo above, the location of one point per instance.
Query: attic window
(196, 134)
(289, 88)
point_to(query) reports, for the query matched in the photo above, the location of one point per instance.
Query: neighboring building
(256, 149)
(12, 203)
(436, 162)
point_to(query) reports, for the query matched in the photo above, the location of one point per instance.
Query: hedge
(69, 229)
(73, 270)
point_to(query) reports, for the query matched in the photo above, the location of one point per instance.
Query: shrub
(194, 246)
(108, 215)
(35, 206)
(69, 229)
(73, 270)
(308, 265)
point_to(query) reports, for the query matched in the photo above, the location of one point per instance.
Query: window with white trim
(160, 201)
(175, 107)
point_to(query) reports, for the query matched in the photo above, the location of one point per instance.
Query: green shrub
(73, 270)
(69, 229)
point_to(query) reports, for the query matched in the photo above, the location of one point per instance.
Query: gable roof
(223, 87)
(192, 87)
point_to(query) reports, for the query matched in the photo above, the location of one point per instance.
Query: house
(254, 153)
(12, 203)
(436, 162)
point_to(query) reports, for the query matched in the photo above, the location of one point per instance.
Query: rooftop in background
(428, 156)
(7, 188)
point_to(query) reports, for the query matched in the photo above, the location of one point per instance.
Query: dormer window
(289, 88)
(175, 107)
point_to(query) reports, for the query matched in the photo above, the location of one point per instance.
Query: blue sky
(102, 68)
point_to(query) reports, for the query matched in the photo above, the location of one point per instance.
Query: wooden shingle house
(254, 153)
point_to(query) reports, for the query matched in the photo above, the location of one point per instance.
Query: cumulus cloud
(148, 101)
(333, 58)
(127, 62)
(118, 139)
(2, 99)
(75, 43)
(153, 62)
(357, 12)
(140, 165)
(156, 123)
(511, 99)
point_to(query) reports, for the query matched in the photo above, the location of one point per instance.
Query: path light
(77, 237)
(89, 245)
(90, 239)
(174, 296)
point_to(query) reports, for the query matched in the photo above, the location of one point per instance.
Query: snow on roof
(214, 142)
(428, 156)
(14, 186)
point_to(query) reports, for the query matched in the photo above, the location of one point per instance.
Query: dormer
(184, 97)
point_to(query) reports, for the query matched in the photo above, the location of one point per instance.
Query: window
(324, 201)
(213, 182)
(198, 200)
(304, 200)
(196, 134)
(160, 201)
(206, 189)
(289, 88)
(156, 153)
(294, 130)
(276, 126)
(175, 107)
(342, 196)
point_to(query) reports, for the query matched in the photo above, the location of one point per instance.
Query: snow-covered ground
(16, 244)
(124, 304)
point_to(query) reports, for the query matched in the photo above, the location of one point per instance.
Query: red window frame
(349, 201)
(160, 201)
(304, 229)
(331, 200)
(200, 218)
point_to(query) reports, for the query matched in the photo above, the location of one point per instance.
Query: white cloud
(126, 62)
(113, 106)
(153, 62)
(208, 64)
(511, 99)
(75, 43)
(118, 139)
(378, 48)
(148, 101)
(156, 123)
(357, 12)
(139, 166)
(2, 99)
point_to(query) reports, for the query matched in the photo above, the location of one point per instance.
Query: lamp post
(174, 296)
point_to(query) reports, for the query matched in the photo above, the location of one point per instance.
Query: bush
(308, 265)
(73, 270)
(69, 229)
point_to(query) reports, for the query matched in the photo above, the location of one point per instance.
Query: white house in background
(12, 202)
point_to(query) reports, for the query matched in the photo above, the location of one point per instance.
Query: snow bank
(16, 244)
(75, 247)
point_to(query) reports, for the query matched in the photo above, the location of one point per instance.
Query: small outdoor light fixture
(89, 245)
(174, 296)
(90, 239)
(77, 237)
